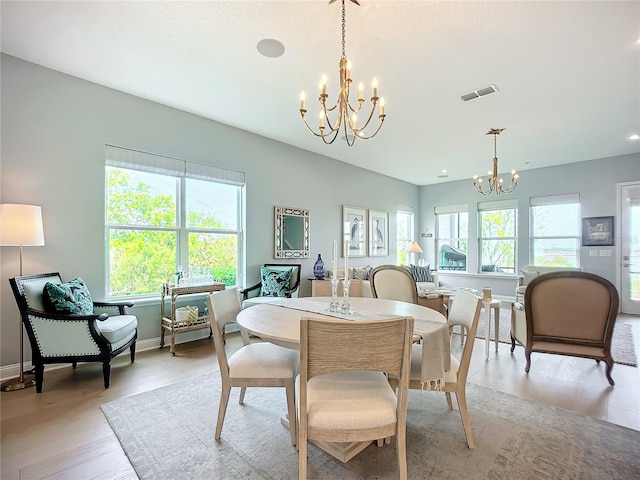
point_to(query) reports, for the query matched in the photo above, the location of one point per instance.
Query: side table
(322, 288)
(488, 305)
(168, 319)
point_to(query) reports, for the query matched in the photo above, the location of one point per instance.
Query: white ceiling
(568, 72)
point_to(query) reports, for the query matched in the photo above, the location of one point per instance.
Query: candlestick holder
(334, 306)
(346, 305)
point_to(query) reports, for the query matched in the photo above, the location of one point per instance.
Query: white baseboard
(12, 371)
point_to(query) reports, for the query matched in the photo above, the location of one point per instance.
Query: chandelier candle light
(347, 115)
(495, 183)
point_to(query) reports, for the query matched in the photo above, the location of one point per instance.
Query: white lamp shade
(21, 225)
(413, 247)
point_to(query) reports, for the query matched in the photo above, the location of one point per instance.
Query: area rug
(168, 434)
(623, 349)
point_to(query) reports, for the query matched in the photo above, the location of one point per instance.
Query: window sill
(506, 276)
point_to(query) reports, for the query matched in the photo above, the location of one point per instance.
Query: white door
(630, 248)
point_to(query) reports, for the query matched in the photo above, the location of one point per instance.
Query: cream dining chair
(393, 283)
(343, 393)
(254, 364)
(465, 309)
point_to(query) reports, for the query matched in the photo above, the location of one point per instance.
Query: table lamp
(20, 226)
(413, 248)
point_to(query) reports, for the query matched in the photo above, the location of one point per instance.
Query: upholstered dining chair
(258, 364)
(65, 325)
(567, 313)
(393, 283)
(466, 308)
(343, 393)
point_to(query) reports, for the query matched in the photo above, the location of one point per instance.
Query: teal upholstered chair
(72, 338)
(276, 280)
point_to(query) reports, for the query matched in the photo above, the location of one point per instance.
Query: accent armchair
(71, 338)
(276, 280)
(567, 313)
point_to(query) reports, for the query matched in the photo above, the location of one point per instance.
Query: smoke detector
(479, 93)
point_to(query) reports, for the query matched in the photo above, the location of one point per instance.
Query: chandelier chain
(344, 29)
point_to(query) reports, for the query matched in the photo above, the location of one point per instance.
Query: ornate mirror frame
(291, 232)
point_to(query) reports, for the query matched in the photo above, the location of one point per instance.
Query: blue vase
(318, 268)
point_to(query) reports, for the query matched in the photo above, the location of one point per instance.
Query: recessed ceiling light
(635, 136)
(444, 170)
(270, 47)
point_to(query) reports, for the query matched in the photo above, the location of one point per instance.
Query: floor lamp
(413, 248)
(20, 226)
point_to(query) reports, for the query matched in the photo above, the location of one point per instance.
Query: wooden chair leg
(132, 351)
(609, 363)
(222, 409)
(106, 372)
(401, 452)
(464, 415)
(527, 355)
(302, 455)
(291, 410)
(39, 372)
(449, 402)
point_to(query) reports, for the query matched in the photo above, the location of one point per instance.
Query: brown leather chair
(567, 313)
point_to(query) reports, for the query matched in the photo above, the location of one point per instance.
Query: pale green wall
(54, 128)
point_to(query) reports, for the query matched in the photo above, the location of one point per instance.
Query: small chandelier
(347, 115)
(495, 183)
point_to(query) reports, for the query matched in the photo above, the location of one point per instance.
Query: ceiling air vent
(479, 93)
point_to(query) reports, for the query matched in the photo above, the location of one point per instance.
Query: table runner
(435, 337)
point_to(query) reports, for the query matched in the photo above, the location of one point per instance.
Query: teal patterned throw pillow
(72, 298)
(421, 274)
(275, 282)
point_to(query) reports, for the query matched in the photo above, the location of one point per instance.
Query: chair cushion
(118, 327)
(264, 360)
(71, 298)
(275, 282)
(350, 400)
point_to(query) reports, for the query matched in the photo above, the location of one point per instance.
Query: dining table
(277, 320)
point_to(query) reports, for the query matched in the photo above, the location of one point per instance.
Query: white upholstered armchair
(58, 337)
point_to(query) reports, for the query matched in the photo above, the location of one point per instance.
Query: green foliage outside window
(143, 236)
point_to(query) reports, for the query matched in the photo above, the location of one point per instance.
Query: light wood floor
(62, 433)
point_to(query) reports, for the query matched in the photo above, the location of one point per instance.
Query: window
(163, 215)
(498, 227)
(452, 224)
(404, 233)
(555, 230)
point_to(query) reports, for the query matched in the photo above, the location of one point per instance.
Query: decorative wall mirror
(292, 232)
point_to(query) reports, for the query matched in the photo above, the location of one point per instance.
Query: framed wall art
(354, 231)
(597, 232)
(378, 233)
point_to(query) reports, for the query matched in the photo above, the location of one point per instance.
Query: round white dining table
(277, 320)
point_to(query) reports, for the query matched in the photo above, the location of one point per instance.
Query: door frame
(618, 233)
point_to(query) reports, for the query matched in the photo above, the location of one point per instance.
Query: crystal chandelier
(495, 183)
(347, 115)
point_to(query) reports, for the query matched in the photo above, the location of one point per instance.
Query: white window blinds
(160, 164)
